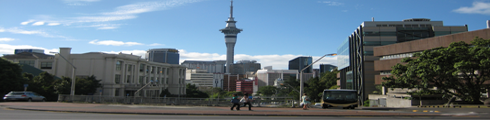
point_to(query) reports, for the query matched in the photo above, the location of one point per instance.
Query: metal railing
(262, 101)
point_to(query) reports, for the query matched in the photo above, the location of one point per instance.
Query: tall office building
(300, 63)
(355, 54)
(165, 55)
(326, 67)
(230, 32)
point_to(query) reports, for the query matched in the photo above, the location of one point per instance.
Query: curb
(218, 114)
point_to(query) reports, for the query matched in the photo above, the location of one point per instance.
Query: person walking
(305, 101)
(247, 101)
(235, 101)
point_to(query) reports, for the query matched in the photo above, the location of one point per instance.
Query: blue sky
(274, 31)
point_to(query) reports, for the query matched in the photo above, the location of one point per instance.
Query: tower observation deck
(230, 32)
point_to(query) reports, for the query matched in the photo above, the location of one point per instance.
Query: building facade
(217, 66)
(300, 63)
(120, 74)
(326, 67)
(390, 55)
(230, 80)
(245, 67)
(231, 32)
(356, 60)
(245, 86)
(267, 76)
(164, 55)
(201, 78)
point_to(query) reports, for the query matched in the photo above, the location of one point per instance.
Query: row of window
(44, 65)
(403, 25)
(143, 68)
(142, 79)
(397, 56)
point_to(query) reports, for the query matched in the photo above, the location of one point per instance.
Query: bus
(339, 98)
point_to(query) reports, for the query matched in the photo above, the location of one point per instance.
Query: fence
(258, 101)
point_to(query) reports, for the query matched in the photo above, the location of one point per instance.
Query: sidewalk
(198, 110)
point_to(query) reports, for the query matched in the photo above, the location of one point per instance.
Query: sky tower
(230, 32)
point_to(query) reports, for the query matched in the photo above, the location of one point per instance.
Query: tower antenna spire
(231, 9)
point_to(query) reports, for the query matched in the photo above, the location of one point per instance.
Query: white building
(217, 66)
(201, 78)
(121, 74)
(267, 76)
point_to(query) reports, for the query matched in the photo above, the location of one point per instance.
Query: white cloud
(6, 39)
(155, 44)
(114, 43)
(125, 12)
(477, 8)
(26, 22)
(38, 23)
(148, 7)
(53, 24)
(104, 26)
(32, 32)
(332, 3)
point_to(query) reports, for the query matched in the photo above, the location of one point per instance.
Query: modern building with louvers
(355, 54)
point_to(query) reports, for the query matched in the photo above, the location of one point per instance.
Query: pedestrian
(247, 101)
(305, 101)
(235, 101)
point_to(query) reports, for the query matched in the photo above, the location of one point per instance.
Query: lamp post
(72, 92)
(301, 81)
(134, 96)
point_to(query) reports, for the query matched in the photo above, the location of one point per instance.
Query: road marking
(414, 110)
(425, 111)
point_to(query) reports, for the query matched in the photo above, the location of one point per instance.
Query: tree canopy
(192, 91)
(10, 77)
(459, 70)
(267, 90)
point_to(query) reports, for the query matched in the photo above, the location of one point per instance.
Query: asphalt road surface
(6, 114)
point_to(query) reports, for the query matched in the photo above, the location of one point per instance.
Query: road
(25, 114)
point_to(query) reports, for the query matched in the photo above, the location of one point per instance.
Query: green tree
(458, 70)
(314, 89)
(329, 78)
(63, 85)
(10, 77)
(86, 86)
(43, 84)
(267, 90)
(192, 91)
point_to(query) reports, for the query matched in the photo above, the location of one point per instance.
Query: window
(158, 70)
(46, 65)
(128, 79)
(118, 65)
(147, 69)
(153, 70)
(117, 79)
(130, 67)
(116, 92)
(28, 62)
(142, 67)
(147, 80)
(141, 79)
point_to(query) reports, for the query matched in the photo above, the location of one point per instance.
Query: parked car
(24, 96)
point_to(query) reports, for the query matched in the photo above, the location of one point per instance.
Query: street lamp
(301, 82)
(151, 81)
(72, 92)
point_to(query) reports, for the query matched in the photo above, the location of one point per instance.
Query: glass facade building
(356, 60)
